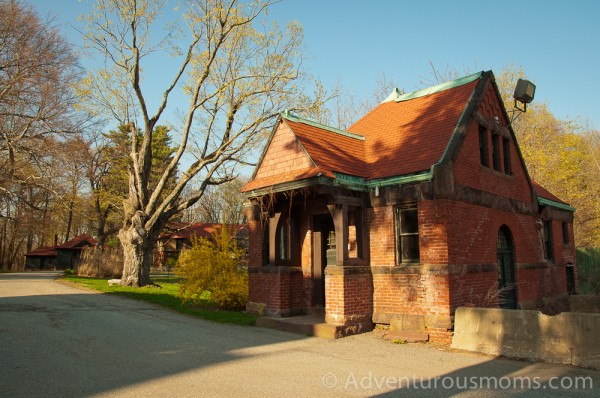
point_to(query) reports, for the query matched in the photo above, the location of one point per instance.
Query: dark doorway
(506, 274)
(322, 231)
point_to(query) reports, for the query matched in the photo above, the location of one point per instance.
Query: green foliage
(167, 296)
(69, 271)
(118, 149)
(588, 267)
(214, 267)
(171, 262)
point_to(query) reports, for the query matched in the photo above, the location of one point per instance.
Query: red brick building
(422, 206)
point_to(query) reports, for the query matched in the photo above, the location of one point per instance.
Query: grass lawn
(166, 297)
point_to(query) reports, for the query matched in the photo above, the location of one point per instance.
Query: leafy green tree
(108, 174)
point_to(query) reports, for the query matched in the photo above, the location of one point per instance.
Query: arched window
(505, 251)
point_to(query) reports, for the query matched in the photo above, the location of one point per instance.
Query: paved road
(59, 341)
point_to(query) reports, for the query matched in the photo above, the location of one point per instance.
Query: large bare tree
(220, 204)
(236, 75)
(37, 71)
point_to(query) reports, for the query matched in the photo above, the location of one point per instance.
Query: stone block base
(408, 337)
(336, 331)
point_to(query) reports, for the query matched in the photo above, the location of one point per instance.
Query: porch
(313, 259)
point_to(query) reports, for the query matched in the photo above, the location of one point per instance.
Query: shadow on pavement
(85, 344)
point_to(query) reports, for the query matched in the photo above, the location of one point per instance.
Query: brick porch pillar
(349, 299)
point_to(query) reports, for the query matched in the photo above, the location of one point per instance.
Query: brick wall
(280, 289)
(468, 170)
(382, 237)
(404, 289)
(349, 294)
(255, 243)
(458, 261)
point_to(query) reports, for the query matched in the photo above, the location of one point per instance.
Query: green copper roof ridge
(432, 90)
(294, 118)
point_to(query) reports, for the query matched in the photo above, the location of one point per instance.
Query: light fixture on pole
(523, 95)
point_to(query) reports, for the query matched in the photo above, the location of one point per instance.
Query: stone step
(311, 325)
(407, 336)
(307, 325)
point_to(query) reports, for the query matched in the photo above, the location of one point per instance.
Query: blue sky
(556, 42)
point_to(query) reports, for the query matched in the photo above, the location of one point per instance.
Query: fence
(100, 262)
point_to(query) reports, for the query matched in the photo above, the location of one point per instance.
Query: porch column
(339, 213)
(349, 299)
(273, 222)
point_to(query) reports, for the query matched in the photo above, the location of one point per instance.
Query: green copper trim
(350, 181)
(404, 179)
(288, 116)
(397, 97)
(551, 203)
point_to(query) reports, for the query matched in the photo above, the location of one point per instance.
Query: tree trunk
(100, 230)
(137, 243)
(69, 221)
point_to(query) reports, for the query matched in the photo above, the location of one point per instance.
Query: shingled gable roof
(401, 139)
(330, 151)
(42, 251)
(407, 134)
(78, 242)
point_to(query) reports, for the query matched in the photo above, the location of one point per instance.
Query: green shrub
(215, 268)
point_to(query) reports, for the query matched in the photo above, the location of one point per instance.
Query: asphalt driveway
(57, 340)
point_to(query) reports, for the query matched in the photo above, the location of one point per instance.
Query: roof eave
(287, 186)
(343, 180)
(556, 205)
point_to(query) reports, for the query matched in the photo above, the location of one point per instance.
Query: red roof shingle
(544, 193)
(331, 151)
(410, 136)
(42, 251)
(394, 139)
(78, 242)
